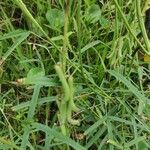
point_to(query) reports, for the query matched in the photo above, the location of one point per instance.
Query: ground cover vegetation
(74, 74)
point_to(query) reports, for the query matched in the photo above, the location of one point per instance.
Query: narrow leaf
(90, 45)
(58, 135)
(141, 97)
(13, 34)
(13, 47)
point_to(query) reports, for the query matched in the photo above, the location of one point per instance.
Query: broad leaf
(55, 17)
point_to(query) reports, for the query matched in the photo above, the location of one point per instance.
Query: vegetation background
(74, 74)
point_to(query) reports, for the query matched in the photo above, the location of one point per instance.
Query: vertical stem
(141, 24)
(65, 41)
(79, 35)
(63, 104)
(128, 26)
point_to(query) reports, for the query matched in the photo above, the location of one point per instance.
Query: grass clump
(74, 75)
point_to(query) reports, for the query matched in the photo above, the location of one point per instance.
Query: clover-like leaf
(93, 14)
(35, 73)
(55, 17)
(36, 76)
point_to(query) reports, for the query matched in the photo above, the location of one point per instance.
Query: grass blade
(31, 111)
(135, 141)
(13, 34)
(12, 48)
(90, 45)
(95, 125)
(142, 99)
(8, 143)
(40, 102)
(58, 135)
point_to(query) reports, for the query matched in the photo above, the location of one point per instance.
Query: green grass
(68, 76)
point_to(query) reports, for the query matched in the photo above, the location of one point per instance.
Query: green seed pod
(63, 81)
(71, 102)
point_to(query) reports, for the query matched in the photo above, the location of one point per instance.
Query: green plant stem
(142, 26)
(63, 104)
(65, 39)
(128, 26)
(31, 18)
